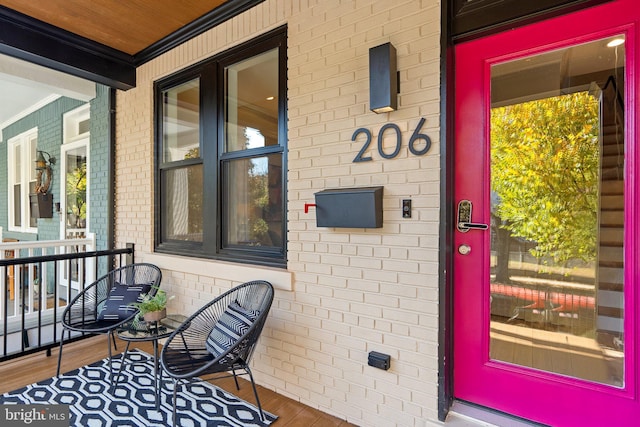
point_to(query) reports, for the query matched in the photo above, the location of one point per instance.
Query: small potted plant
(152, 308)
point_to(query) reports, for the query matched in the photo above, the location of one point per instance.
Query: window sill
(280, 278)
(23, 230)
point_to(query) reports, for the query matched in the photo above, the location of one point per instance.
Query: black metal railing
(42, 287)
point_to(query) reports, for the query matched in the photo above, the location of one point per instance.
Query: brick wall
(346, 291)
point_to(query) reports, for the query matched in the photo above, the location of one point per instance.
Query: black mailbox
(349, 208)
(41, 205)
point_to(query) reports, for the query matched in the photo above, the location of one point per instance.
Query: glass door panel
(557, 148)
(74, 206)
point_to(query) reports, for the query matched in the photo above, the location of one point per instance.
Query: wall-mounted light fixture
(43, 171)
(383, 79)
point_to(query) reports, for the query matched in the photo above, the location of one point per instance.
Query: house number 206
(416, 136)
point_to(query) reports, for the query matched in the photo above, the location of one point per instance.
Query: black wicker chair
(189, 352)
(103, 306)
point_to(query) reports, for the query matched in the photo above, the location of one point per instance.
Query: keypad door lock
(465, 209)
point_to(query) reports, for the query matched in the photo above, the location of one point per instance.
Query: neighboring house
(228, 139)
(75, 134)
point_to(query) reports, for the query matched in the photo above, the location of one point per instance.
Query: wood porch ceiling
(128, 26)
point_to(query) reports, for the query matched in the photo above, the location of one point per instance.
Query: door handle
(465, 226)
(464, 218)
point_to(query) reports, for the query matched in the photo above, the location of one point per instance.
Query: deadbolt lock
(464, 249)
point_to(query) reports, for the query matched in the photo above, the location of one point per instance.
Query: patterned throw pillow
(117, 305)
(231, 325)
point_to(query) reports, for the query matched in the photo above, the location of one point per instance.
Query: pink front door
(546, 281)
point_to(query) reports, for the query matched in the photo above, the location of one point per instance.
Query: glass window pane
(33, 142)
(17, 159)
(33, 222)
(181, 122)
(557, 212)
(182, 210)
(253, 201)
(17, 205)
(251, 104)
(76, 188)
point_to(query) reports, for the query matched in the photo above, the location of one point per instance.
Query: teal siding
(99, 166)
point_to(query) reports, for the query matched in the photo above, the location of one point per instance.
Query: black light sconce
(43, 171)
(383, 79)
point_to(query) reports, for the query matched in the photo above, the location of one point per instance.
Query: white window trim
(71, 120)
(27, 165)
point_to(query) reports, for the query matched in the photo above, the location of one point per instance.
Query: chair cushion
(231, 325)
(117, 305)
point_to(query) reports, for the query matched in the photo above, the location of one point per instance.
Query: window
(77, 124)
(220, 144)
(22, 180)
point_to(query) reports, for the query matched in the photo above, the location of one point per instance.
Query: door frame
(84, 142)
(75, 136)
(447, 200)
(63, 272)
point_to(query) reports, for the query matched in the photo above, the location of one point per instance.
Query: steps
(610, 279)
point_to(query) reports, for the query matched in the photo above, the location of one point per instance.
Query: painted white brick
(353, 289)
(382, 275)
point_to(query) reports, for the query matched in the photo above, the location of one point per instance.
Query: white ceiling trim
(33, 108)
(27, 87)
(14, 70)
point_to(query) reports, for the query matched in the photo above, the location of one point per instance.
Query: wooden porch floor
(37, 367)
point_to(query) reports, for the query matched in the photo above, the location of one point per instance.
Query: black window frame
(210, 73)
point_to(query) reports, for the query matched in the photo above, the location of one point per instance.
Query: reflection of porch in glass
(556, 294)
(521, 262)
(560, 353)
(551, 325)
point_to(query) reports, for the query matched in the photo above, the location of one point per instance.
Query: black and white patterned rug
(132, 403)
